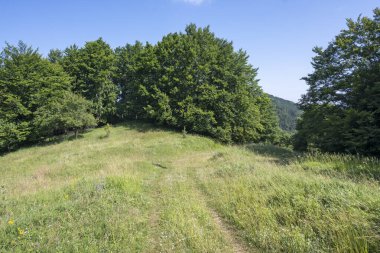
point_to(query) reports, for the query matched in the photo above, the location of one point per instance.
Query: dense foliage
(196, 81)
(92, 68)
(287, 112)
(28, 83)
(342, 105)
(62, 112)
(192, 80)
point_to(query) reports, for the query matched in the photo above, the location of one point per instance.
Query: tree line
(194, 81)
(191, 80)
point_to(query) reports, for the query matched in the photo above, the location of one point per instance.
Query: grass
(143, 189)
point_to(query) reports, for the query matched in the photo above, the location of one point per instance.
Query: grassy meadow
(144, 189)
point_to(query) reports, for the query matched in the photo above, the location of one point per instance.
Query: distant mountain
(287, 112)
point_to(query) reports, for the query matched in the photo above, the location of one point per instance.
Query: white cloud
(193, 2)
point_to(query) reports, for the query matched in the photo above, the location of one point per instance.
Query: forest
(195, 82)
(287, 112)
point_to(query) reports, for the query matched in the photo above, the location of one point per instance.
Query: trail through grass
(143, 189)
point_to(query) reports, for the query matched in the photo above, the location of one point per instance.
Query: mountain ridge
(287, 112)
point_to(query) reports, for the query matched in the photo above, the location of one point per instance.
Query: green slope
(287, 112)
(144, 189)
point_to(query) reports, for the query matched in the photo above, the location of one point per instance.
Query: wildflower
(21, 231)
(11, 221)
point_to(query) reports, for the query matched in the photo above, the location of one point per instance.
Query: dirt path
(188, 175)
(154, 215)
(228, 233)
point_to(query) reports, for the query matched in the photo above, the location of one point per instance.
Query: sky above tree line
(277, 34)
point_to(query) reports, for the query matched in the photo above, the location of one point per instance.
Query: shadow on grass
(61, 138)
(48, 141)
(101, 137)
(138, 125)
(281, 155)
(144, 126)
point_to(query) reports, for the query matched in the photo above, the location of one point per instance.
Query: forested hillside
(192, 81)
(196, 82)
(287, 112)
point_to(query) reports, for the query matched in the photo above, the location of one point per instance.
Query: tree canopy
(190, 80)
(28, 82)
(197, 81)
(342, 105)
(92, 68)
(64, 112)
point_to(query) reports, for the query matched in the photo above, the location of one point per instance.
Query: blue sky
(277, 34)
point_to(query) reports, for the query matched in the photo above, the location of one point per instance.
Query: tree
(12, 134)
(62, 113)
(196, 81)
(136, 68)
(26, 82)
(92, 68)
(55, 56)
(342, 105)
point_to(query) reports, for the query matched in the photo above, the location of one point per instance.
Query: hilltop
(145, 189)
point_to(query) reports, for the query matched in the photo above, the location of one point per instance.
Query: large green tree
(27, 81)
(196, 80)
(92, 69)
(136, 69)
(62, 113)
(342, 105)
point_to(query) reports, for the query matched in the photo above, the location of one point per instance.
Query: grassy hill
(287, 112)
(144, 189)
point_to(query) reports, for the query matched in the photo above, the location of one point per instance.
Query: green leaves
(135, 76)
(191, 80)
(64, 112)
(341, 106)
(27, 81)
(92, 69)
(194, 80)
(11, 134)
